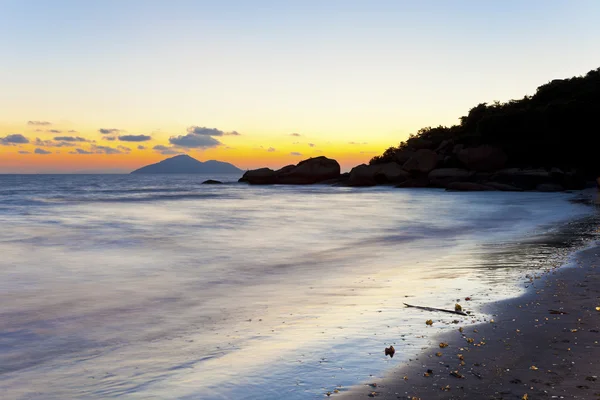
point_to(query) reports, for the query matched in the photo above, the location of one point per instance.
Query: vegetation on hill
(556, 127)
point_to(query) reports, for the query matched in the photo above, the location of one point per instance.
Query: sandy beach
(544, 344)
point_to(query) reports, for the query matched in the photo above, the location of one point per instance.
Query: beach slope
(544, 344)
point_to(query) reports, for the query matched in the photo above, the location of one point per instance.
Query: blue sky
(336, 71)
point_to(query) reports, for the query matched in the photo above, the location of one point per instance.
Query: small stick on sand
(437, 309)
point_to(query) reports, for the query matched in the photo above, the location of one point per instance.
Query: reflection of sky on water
(241, 292)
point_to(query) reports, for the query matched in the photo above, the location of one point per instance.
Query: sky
(112, 85)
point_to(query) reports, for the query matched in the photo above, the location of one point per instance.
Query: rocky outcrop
(441, 177)
(211, 182)
(422, 162)
(527, 179)
(419, 182)
(312, 170)
(261, 176)
(403, 156)
(482, 158)
(370, 175)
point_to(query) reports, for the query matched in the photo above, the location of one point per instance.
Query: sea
(160, 287)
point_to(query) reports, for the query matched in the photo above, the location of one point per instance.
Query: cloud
(140, 147)
(232, 133)
(134, 138)
(357, 143)
(123, 148)
(80, 151)
(42, 151)
(108, 131)
(295, 153)
(70, 139)
(204, 131)
(105, 150)
(111, 138)
(53, 131)
(194, 140)
(73, 131)
(16, 138)
(24, 152)
(271, 149)
(165, 150)
(295, 134)
(311, 145)
(50, 143)
(41, 123)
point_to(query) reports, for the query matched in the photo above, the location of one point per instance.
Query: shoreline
(526, 350)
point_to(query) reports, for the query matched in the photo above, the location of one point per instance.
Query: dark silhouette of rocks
(211, 182)
(310, 171)
(371, 175)
(543, 142)
(184, 164)
(423, 161)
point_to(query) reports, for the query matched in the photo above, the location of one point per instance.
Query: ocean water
(158, 287)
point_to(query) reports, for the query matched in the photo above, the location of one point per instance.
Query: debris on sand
(390, 351)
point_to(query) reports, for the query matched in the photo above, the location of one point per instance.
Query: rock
(527, 179)
(420, 182)
(468, 187)
(482, 158)
(549, 187)
(457, 148)
(370, 175)
(391, 173)
(503, 187)
(285, 169)
(403, 156)
(443, 176)
(339, 181)
(211, 182)
(445, 147)
(423, 161)
(261, 176)
(312, 170)
(598, 183)
(363, 175)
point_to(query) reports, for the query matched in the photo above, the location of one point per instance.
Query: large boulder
(422, 162)
(313, 170)
(261, 176)
(482, 158)
(441, 177)
(370, 175)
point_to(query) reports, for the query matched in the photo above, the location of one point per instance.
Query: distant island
(184, 164)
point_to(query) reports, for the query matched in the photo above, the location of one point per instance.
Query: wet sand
(523, 351)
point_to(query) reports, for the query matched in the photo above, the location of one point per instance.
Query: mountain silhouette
(184, 164)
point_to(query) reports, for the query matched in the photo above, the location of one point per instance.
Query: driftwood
(437, 309)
